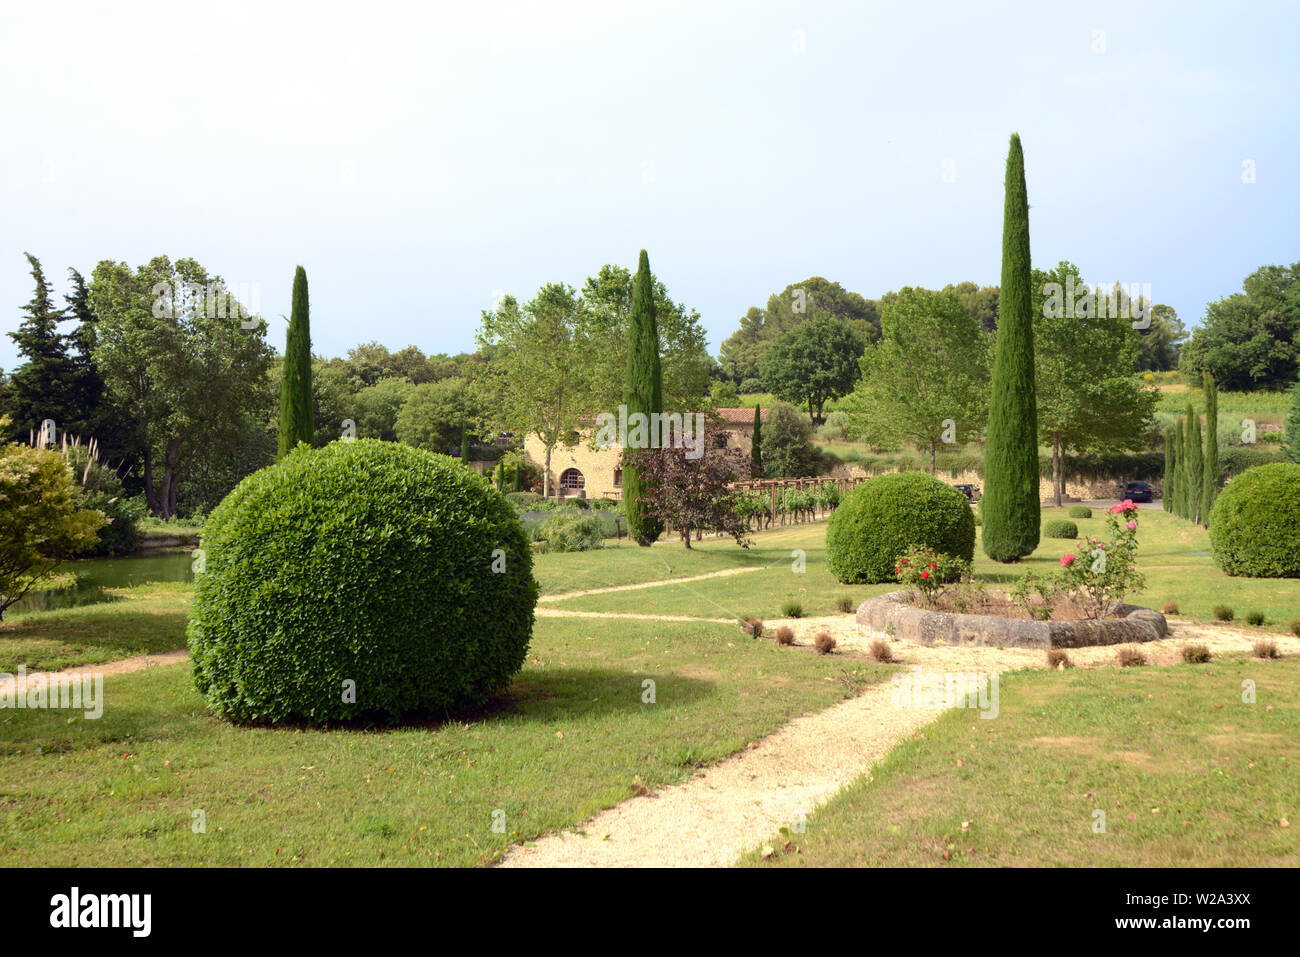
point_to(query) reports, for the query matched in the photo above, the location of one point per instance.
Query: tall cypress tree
(756, 445)
(464, 445)
(1179, 469)
(1195, 466)
(44, 386)
(1010, 506)
(1210, 482)
(1167, 491)
(642, 392)
(297, 421)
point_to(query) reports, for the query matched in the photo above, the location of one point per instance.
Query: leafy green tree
(539, 380)
(190, 375)
(1010, 509)
(1248, 340)
(926, 381)
(756, 445)
(377, 407)
(44, 386)
(1291, 437)
(741, 354)
(685, 363)
(980, 301)
(436, 415)
(1088, 399)
(788, 449)
(642, 393)
(1159, 343)
(41, 522)
(296, 423)
(1210, 479)
(814, 362)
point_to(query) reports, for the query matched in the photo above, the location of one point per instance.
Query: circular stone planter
(892, 614)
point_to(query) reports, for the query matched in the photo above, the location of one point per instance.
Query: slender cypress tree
(1010, 506)
(1180, 448)
(464, 445)
(1167, 491)
(1195, 466)
(297, 423)
(1210, 483)
(756, 445)
(1291, 437)
(642, 392)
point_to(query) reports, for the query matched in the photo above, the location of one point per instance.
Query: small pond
(96, 574)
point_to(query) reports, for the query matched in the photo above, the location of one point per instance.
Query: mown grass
(147, 619)
(1186, 773)
(1173, 554)
(572, 737)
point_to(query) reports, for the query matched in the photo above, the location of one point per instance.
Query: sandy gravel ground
(736, 805)
(733, 806)
(121, 666)
(651, 584)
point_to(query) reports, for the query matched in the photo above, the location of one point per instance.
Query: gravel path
(652, 584)
(736, 805)
(118, 667)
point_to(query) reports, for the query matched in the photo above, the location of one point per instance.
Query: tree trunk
(1058, 476)
(932, 457)
(546, 475)
(150, 494)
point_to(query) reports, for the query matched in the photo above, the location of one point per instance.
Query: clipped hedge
(877, 521)
(1255, 523)
(1079, 511)
(365, 562)
(1060, 528)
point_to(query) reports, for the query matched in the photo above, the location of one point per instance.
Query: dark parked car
(1139, 491)
(970, 491)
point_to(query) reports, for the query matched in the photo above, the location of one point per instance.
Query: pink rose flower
(1066, 559)
(925, 574)
(1132, 526)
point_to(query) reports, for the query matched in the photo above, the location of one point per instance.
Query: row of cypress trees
(1192, 460)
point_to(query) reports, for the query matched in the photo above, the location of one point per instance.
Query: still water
(96, 574)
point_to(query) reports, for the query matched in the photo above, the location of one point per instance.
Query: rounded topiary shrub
(1255, 523)
(1060, 528)
(877, 521)
(363, 580)
(1080, 511)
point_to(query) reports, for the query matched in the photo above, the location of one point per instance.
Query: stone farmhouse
(585, 470)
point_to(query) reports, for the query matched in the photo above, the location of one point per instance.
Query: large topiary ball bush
(363, 580)
(877, 521)
(1255, 523)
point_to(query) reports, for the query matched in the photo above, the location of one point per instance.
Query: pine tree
(297, 422)
(642, 392)
(44, 386)
(1292, 435)
(1195, 466)
(1210, 481)
(1010, 506)
(756, 445)
(1166, 496)
(90, 417)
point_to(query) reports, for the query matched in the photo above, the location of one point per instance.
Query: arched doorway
(571, 480)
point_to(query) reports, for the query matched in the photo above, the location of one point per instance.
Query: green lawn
(1186, 773)
(129, 621)
(573, 737)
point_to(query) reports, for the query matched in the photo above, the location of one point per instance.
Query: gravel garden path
(734, 806)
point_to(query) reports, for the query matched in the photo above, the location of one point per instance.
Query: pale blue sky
(417, 158)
